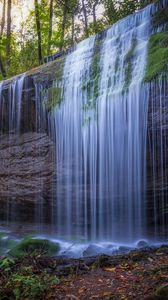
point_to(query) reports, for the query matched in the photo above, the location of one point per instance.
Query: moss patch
(34, 247)
(128, 64)
(92, 85)
(6, 243)
(52, 97)
(157, 56)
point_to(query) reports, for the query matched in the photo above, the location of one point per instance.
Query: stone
(142, 244)
(26, 175)
(93, 250)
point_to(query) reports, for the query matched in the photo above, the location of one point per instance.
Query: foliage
(25, 284)
(6, 264)
(67, 29)
(33, 247)
(157, 56)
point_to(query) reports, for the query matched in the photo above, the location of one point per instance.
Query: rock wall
(26, 176)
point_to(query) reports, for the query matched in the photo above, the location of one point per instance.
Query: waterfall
(14, 107)
(105, 130)
(100, 131)
(157, 156)
(10, 126)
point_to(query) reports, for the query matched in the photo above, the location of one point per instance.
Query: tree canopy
(52, 26)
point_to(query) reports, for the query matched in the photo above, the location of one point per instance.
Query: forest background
(30, 30)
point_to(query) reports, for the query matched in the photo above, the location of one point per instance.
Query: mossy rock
(52, 97)
(6, 243)
(128, 64)
(33, 247)
(157, 56)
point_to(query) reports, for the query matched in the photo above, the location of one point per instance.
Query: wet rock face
(26, 175)
(157, 158)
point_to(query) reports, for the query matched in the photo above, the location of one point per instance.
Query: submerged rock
(142, 244)
(93, 250)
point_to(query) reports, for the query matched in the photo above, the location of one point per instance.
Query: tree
(3, 17)
(38, 25)
(50, 27)
(2, 69)
(84, 9)
(8, 34)
(65, 10)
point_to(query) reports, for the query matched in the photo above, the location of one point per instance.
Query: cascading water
(11, 112)
(100, 133)
(14, 104)
(109, 129)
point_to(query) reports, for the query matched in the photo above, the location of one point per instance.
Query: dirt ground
(141, 274)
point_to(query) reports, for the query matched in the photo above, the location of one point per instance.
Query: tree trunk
(2, 69)
(85, 18)
(38, 25)
(73, 28)
(3, 17)
(8, 35)
(50, 27)
(94, 15)
(63, 24)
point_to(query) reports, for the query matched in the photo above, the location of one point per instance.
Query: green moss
(91, 87)
(5, 243)
(160, 17)
(130, 54)
(157, 56)
(128, 75)
(52, 97)
(128, 64)
(33, 247)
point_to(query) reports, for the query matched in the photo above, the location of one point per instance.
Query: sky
(20, 14)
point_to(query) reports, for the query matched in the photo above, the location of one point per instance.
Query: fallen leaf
(109, 269)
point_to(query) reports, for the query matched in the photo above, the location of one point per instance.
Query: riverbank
(140, 274)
